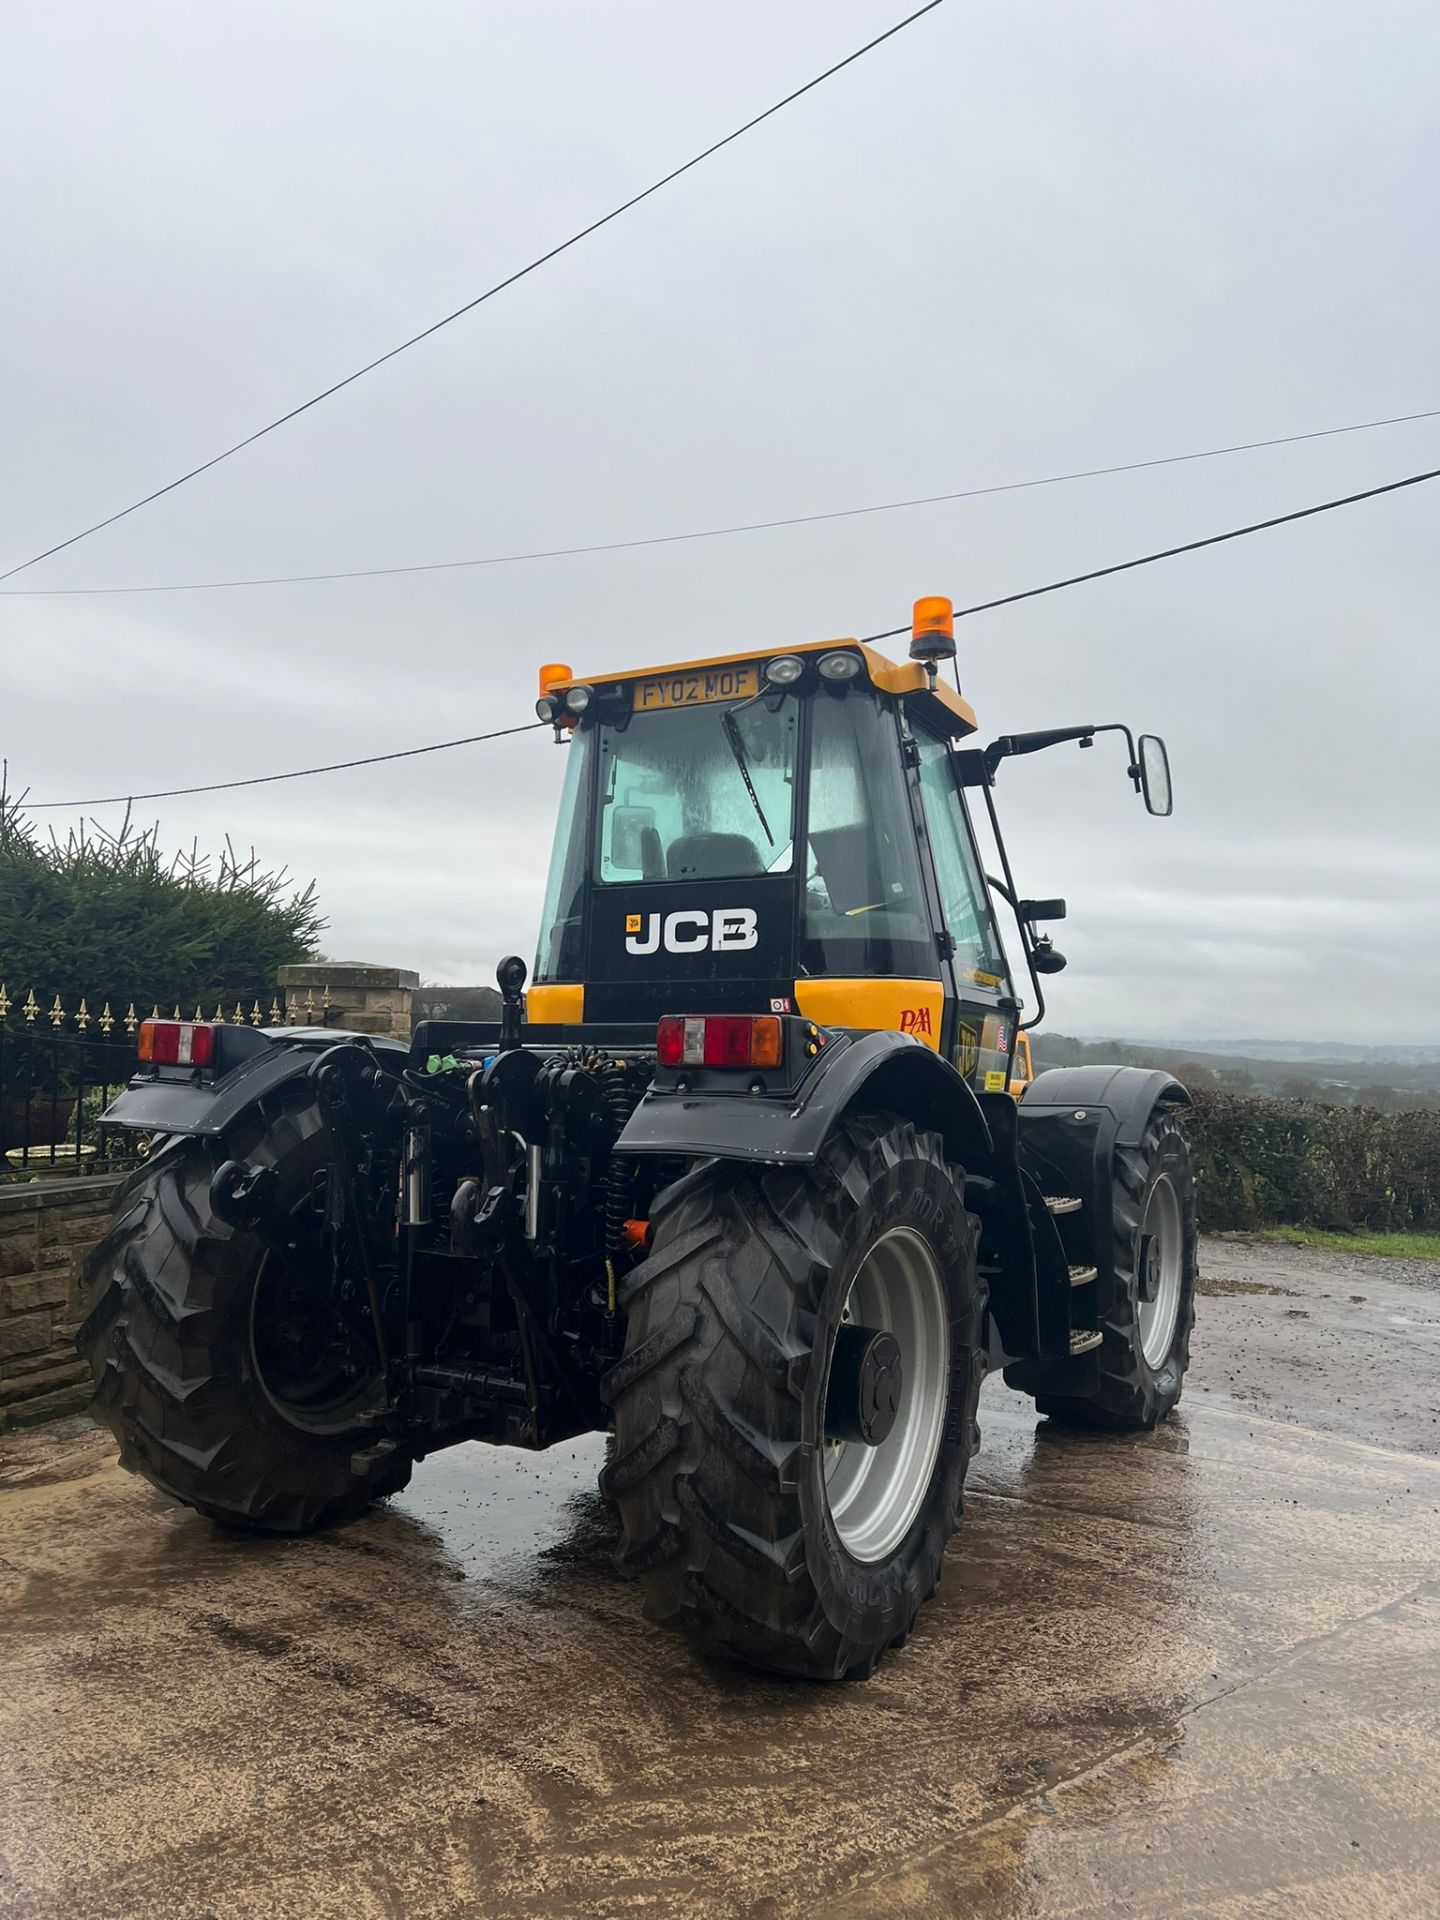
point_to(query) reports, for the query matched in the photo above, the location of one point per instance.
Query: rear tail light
(177, 1043)
(718, 1040)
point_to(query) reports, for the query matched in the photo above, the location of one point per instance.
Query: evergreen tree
(111, 917)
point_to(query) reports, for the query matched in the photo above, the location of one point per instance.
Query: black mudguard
(263, 1060)
(1070, 1122)
(892, 1070)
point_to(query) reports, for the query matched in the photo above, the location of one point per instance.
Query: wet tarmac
(1194, 1673)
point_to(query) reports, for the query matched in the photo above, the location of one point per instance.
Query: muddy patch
(1214, 1286)
(52, 1455)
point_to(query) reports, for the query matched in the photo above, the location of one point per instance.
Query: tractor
(742, 1178)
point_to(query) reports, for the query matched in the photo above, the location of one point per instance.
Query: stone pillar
(364, 999)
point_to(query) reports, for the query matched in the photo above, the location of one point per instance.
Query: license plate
(695, 689)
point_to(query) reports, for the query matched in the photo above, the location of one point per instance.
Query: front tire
(756, 1517)
(1145, 1344)
(216, 1374)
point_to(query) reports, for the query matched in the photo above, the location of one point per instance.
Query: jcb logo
(967, 1050)
(725, 930)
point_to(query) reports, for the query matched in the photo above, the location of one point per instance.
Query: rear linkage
(453, 1233)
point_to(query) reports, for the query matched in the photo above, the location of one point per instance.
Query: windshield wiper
(737, 747)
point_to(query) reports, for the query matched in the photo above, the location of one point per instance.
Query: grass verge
(1398, 1246)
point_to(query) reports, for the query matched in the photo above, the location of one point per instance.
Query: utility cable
(489, 293)
(300, 773)
(719, 533)
(984, 606)
(1169, 553)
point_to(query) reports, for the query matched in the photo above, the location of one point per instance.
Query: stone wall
(46, 1230)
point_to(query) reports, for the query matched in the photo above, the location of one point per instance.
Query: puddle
(505, 1517)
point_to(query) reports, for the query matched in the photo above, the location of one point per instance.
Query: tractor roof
(940, 704)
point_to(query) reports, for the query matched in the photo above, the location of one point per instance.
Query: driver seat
(712, 856)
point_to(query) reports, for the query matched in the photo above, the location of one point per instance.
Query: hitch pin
(417, 1185)
(533, 1157)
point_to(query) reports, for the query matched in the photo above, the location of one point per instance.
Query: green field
(1399, 1246)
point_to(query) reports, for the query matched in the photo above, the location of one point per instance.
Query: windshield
(698, 793)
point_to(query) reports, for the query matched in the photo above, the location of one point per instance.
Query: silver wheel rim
(874, 1493)
(1161, 1245)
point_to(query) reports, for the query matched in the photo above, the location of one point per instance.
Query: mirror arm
(1010, 744)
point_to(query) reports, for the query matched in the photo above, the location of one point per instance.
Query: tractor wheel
(228, 1385)
(795, 1408)
(1145, 1337)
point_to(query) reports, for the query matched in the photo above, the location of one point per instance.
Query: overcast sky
(1013, 241)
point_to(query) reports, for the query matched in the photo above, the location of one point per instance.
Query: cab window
(864, 903)
(684, 796)
(964, 896)
(560, 955)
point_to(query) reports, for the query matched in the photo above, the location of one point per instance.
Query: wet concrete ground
(1194, 1673)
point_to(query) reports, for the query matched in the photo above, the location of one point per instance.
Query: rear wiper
(737, 747)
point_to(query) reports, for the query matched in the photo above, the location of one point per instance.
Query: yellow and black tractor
(743, 1176)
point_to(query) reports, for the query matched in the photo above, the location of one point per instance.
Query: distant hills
(1390, 1077)
(1317, 1050)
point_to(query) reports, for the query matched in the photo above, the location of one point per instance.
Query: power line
(489, 293)
(1169, 553)
(718, 533)
(984, 606)
(300, 773)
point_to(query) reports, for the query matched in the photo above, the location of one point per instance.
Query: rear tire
(199, 1351)
(1145, 1345)
(748, 1529)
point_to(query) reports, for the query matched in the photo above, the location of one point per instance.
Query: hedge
(109, 916)
(1264, 1162)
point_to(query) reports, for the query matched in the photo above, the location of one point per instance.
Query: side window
(561, 955)
(864, 906)
(963, 893)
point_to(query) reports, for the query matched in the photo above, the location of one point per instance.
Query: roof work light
(932, 630)
(549, 706)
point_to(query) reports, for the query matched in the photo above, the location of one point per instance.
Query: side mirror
(1033, 910)
(1155, 775)
(627, 837)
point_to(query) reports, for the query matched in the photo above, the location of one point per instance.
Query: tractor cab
(773, 833)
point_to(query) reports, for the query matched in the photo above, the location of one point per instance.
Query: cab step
(1084, 1340)
(1063, 1203)
(1082, 1276)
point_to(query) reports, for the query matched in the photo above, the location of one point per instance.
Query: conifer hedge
(110, 916)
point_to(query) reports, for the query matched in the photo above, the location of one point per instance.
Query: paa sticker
(994, 1082)
(632, 923)
(915, 1020)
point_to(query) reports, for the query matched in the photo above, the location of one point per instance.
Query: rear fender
(891, 1070)
(1072, 1120)
(263, 1061)
(884, 1070)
